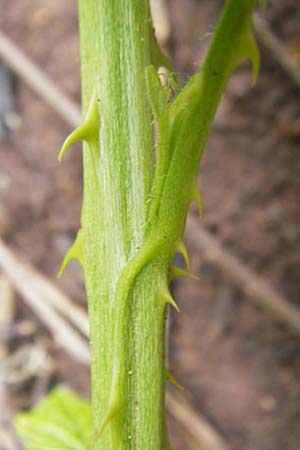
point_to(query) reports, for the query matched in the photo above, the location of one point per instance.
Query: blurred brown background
(240, 365)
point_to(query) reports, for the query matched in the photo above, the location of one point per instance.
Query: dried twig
(47, 292)
(161, 20)
(277, 50)
(7, 309)
(28, 364)
(38, 81)
(256, 289)
(42, 297)
(196, 425)
(8, 438)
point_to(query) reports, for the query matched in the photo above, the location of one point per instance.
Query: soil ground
(242, 369)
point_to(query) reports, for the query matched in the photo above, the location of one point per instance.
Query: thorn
(112, 407)
(170, 377)
(88, 131)
(167, 298)
(74, 252)
(197, 198)
(179, 272)
(75, 136)
(172, 302)
(108, 416)
(181, 248)
(248, 50)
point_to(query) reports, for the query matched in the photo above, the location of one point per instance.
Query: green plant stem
(115, 49)
(133, 219)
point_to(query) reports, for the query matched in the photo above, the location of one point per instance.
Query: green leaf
(62, 421)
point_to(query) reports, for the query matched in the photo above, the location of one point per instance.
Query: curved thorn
(170, 377)
(249, 50)
(87, 131)
(92, 120)
(197, 198)
(75, 136)
(179, 272)
(108, 416)
(181, 248)
(112, 407)
(170, 300)
(167, 298)
(74, 252)
(113, 404)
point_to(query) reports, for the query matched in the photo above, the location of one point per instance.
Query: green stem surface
(115, 49)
